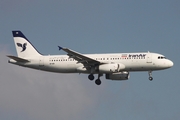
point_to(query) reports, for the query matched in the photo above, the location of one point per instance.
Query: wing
(19, 44)
(86, 61)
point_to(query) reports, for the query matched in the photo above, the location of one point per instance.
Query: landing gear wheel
(150, 78)
(150, 75)
(91, 77)
(98, 82)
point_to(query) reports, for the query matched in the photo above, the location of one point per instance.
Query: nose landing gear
(150, 75)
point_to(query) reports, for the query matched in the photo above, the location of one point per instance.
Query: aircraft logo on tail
(22, 45)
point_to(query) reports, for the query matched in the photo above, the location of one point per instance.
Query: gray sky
(90, 27)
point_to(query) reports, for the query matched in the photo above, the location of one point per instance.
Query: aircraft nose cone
(171, 63)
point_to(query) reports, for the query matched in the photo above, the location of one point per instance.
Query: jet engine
(110, 68)
(118, 76)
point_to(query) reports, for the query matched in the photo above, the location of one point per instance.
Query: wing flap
(80, 58)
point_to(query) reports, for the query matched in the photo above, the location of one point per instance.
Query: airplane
(115, 66)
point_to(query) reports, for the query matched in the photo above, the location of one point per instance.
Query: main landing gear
(91, 77)
(150, 75)
(97, 81)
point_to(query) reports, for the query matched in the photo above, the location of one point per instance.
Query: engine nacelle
(118, 76)
(110, 68)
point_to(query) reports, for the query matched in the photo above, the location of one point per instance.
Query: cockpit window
(161, 57)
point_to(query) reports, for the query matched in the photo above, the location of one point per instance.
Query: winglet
(60, 47)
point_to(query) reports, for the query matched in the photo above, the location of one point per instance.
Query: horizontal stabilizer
(18, 59)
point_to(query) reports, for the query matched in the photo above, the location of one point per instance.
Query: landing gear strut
(98, 81)
(150, 75)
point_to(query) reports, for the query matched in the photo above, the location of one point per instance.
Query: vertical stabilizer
(24, 47)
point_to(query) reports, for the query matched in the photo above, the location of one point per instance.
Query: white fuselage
(128, 62)
(115, 66)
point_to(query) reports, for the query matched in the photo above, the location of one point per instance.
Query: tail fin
(24, 48)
